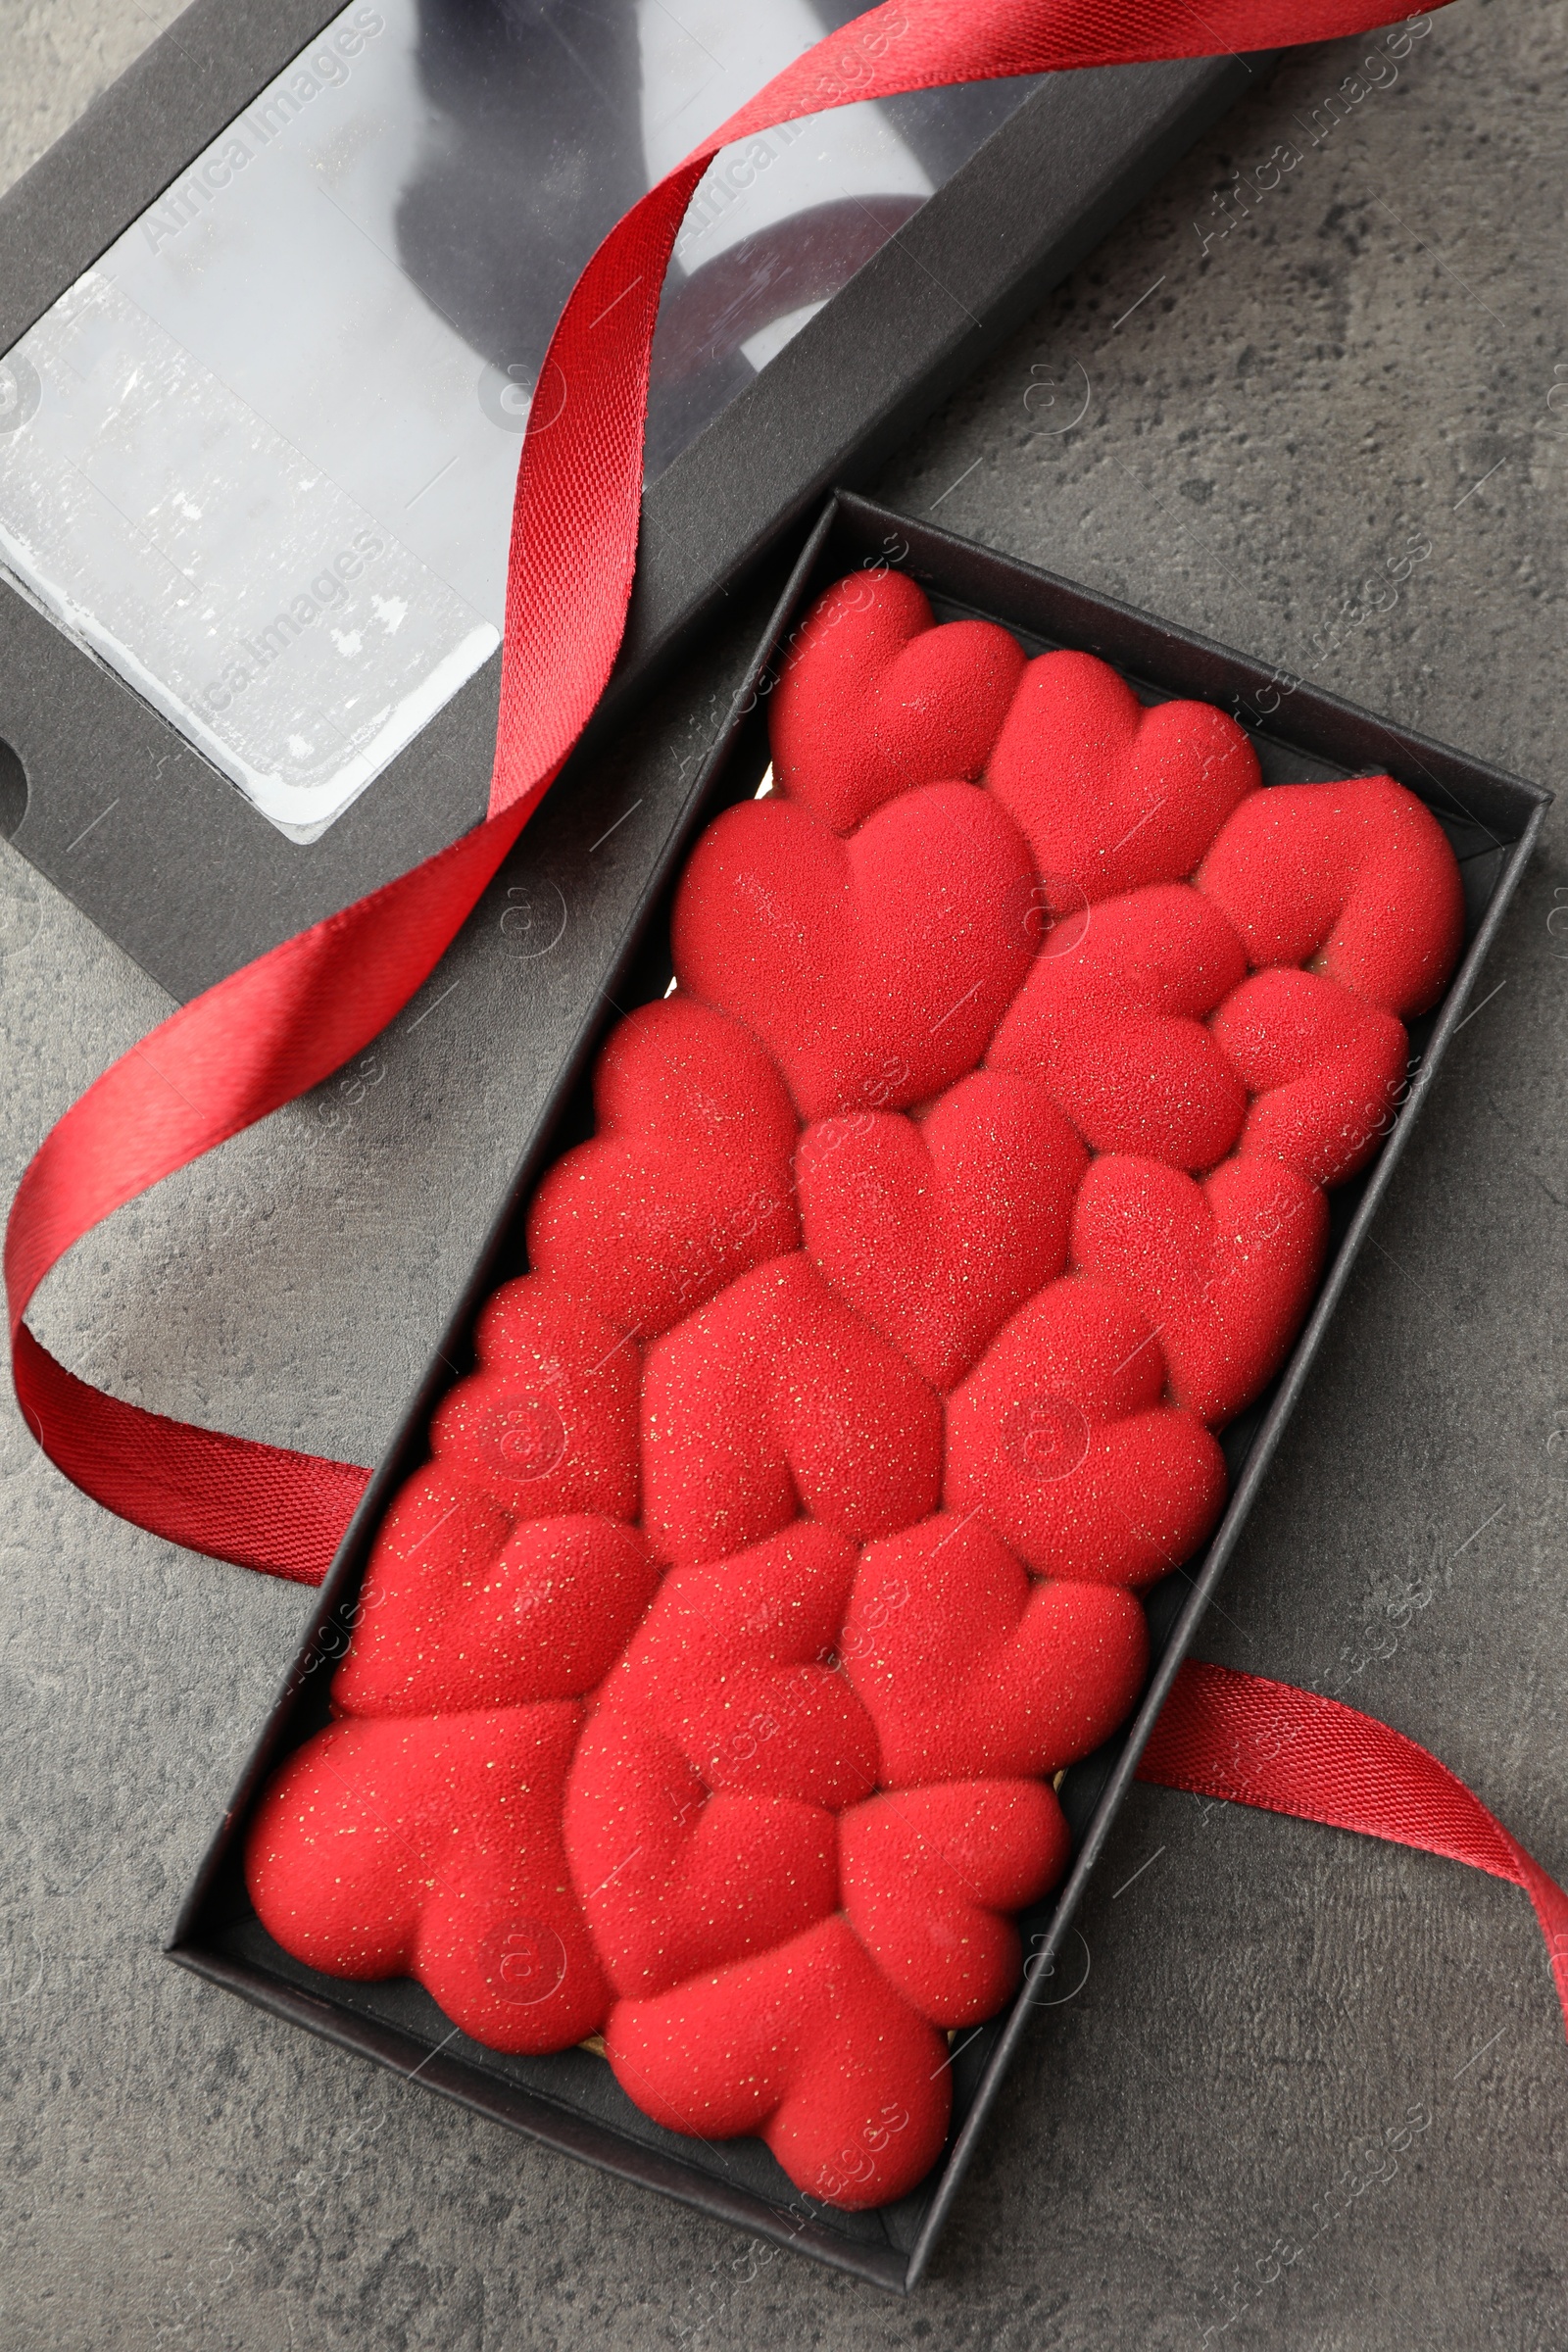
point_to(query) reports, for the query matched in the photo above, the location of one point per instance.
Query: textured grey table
(1365, 358)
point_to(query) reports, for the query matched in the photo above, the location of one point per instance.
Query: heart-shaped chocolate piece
(687, 1181)
(777, 1399)
(1112, 1025)
(462, 1608)
(734, 1661)
(1111, 796)
(431, 1846)
(1326, 1071)
(1061, 1438)
(1357, 879)
(929, 1877)
(548, 1423)
(809, 2047)
(872, 698)
(1223, 1270)
(937, 1228)
(875, 970)
(675, 1877)
(984, 1673)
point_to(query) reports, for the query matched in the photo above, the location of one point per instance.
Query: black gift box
(571, 2101)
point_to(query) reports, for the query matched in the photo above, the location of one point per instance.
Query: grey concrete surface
(1367, 356)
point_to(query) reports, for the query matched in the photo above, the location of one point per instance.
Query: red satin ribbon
(1265, 1743)
(284, 1023)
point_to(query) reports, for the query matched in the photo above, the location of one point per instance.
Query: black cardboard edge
(178, 868)
(1050, 607)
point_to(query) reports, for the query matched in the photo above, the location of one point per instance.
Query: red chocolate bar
(711, 1680)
